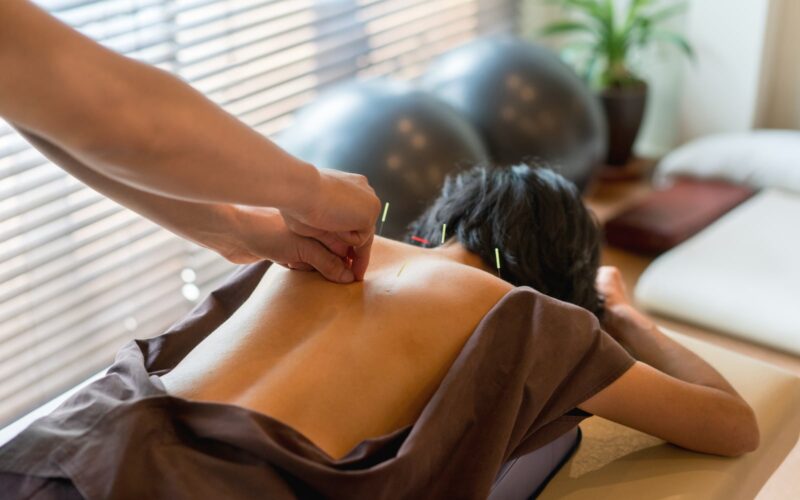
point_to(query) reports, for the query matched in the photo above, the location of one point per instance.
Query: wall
(780, 96)
(721, 91)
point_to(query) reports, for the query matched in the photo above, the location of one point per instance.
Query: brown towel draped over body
(513, 388)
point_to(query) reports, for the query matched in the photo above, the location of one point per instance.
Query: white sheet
(741, 275)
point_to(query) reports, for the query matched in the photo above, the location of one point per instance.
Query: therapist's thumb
(328, 264)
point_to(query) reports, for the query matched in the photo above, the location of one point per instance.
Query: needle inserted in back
(420, 240)
(401, 269)
(383, 217)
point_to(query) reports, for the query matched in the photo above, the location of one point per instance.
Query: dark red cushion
(668, 217)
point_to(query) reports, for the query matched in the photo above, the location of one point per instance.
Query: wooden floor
(607, 198)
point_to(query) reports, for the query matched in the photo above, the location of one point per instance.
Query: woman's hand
(620, 319)
(341, 209)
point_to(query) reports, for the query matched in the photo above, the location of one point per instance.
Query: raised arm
(240, 234)
(133, 122)
(146, 129)
(670, 393)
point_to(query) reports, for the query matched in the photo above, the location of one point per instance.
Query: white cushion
(741, 275)
(759, 158)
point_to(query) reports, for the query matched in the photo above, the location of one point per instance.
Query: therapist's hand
(262, 233)
(340, 209)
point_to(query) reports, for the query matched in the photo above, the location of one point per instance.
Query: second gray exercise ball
(404, 140)
(527, 104)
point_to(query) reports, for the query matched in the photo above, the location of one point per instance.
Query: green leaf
(666, 13)
(593, 9)
(563, 27)
(634, 17)
(675, 39)
(579, 45)
(588, 73)
(638, 33)
(614, 38)
(607, 12)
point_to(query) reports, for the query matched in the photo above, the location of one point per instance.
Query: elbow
(742, 434)
(748, 432)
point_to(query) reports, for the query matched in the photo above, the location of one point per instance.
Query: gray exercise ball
(402, 139)
(526, 103)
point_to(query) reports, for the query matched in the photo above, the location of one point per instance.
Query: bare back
(342, 363)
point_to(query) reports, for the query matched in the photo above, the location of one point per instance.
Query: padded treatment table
(741, 275)
(616, 462)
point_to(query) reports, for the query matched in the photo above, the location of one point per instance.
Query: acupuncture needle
(383, 217)
(420, 240)
(401, 268)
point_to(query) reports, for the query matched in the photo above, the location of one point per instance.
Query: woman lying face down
(341, 364)
(422, 381)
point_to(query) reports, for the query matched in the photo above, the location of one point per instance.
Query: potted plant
(608, 37)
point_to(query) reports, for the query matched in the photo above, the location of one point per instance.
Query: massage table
(740, 275)
(616, 462)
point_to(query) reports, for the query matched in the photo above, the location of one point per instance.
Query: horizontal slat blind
(81, 275)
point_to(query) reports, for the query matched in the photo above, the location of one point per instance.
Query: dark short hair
(546, 237)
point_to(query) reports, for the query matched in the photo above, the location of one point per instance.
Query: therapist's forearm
(175, 215)
(135, 123)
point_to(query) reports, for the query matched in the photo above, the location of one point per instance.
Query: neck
(453, 250)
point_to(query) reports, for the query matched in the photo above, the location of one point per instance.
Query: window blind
(81, 275)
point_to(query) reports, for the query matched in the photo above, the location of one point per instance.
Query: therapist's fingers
(261, 233)
(299, 266)
(330, 265)
(361, 260)
(357, 238)
(343, 201)
(334, 241)
(357, 258)
(344, 204)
